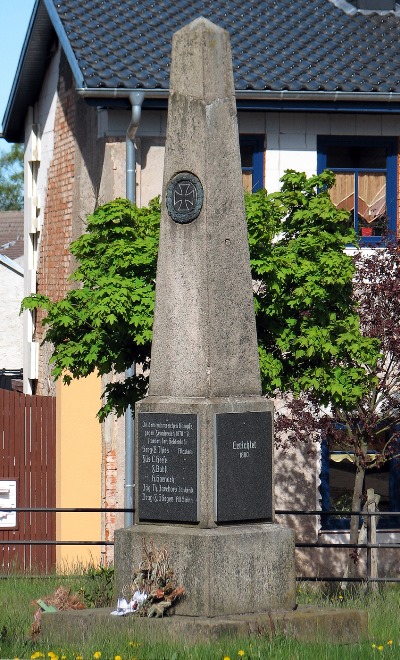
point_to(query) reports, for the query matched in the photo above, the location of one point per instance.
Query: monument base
(230, 570)
(307, 624)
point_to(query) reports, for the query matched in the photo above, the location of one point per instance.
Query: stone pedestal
(229, 570)
(227, 553)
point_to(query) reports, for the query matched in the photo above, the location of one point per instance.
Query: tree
(105, 324)
(12, 179)
(308, 327)
(368, 431)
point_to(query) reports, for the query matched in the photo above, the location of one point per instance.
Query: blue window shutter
(256, 144)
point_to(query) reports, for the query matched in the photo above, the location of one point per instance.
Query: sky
(14, 21)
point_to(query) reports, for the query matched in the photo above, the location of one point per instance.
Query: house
(317, 86)
(11, 294)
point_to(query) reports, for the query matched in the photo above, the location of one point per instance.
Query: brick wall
(84, 172)
(54, 257)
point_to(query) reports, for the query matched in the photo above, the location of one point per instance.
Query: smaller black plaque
(168, 467)
(244, 466)
(184, 197)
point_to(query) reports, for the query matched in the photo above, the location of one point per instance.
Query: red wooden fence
(28, 454)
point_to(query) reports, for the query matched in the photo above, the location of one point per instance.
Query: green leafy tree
(105, 323)
(367, 431)
(308, 327)
(12, 179)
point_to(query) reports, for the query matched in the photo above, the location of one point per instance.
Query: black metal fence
(369, 545)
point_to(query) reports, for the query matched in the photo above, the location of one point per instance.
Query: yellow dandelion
(380, 647)
(340, 597)
(390, 642)
(226, 657)
(241, 653)
(97, 655)
(78, 657)
(36, 655)
(63, 657)
(374, 646)
(117, 657)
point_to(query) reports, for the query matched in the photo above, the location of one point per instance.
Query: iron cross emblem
(184, 197)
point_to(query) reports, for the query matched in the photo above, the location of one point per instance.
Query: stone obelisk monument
(204, 466)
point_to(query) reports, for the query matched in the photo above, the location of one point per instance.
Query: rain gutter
(252, 94)
(273, 101)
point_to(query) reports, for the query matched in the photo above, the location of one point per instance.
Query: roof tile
(12, 234)
(295, 44)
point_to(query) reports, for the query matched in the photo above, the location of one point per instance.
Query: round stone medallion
(184, 197)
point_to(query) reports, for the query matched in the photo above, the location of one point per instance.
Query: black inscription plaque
(168, 467)
(243, 466)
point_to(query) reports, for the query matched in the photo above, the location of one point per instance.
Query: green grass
(16, 613)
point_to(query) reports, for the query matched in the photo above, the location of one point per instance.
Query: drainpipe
(136, 100)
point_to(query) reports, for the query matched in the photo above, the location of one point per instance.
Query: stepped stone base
(225, 571)
(305, 624)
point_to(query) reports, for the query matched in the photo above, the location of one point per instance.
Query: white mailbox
(8, 500)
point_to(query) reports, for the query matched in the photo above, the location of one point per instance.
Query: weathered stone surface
(205, 364)
(204, 335)
(234, 569)
(305, 624)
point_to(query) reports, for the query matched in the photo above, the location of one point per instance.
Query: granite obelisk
(204, 479)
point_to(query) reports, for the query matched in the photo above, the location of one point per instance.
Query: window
(366, 175)
(252, 158)
(337, 480)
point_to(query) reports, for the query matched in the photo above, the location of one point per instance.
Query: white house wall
(290, 140)
(36, 167)
(11, 294)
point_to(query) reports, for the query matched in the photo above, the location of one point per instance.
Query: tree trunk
(354, 520)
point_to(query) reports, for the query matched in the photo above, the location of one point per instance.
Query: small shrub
(98, 586)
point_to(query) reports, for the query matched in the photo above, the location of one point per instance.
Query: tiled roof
(300, 51)
(294, 45)
(12, 234)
